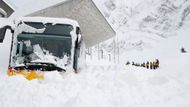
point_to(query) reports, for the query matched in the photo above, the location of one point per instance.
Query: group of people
(148, 64)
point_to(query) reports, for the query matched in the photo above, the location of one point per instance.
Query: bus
(41, 44)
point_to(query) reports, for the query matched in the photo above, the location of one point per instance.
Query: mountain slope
(143, 24)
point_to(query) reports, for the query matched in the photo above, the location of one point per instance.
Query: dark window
(57, 29)
(56, 39)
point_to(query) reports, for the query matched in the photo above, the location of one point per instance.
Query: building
(5, 9)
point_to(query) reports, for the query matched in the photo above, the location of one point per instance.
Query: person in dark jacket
(133, 63)
(183, 50)
(151, 67)
(143, 64)
(127, 63)
(157, 63)
(147, 65)
(154, 65)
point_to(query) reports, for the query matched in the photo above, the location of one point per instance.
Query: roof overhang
(5, 9)
(94, 26)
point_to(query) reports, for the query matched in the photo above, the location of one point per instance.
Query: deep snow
(110, 85)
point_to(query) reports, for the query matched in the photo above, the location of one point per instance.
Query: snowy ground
(110, 85)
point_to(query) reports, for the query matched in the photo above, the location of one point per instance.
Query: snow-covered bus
(44, 44)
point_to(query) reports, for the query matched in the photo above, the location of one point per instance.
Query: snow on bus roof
(49, 20)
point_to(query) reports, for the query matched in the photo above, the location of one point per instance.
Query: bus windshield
(55, 41)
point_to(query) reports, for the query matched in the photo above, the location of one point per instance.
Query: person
(150, 65)
(157, 63)
(154, 65)
(147, 65)
(133, 63)
(127, 63)
(143, 64)
(183, 50)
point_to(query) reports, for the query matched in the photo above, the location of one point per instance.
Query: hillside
(144, 24)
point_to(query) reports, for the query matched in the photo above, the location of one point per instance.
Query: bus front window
(54, 42)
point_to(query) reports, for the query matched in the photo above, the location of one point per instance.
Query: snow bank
(99, 85)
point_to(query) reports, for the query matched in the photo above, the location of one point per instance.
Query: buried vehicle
(54, 44)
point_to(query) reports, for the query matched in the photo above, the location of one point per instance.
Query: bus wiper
(40, 66)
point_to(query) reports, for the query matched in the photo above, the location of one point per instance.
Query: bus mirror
(3, 31)
(78, 30)
(2, 34)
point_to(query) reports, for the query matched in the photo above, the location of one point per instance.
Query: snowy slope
(144, 24)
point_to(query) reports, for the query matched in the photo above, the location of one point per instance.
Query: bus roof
(50, 20)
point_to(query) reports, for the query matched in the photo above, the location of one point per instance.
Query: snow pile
(48, 57)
